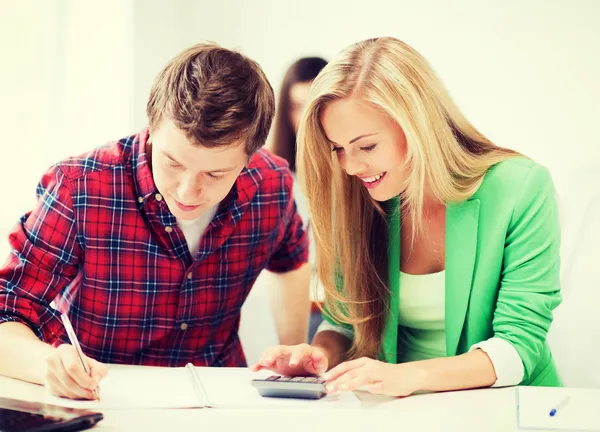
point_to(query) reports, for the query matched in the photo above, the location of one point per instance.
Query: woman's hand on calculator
(295, 360)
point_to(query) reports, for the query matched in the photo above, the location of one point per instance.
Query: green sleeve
(530, 283)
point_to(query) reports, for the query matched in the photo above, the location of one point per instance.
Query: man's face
(192, 178)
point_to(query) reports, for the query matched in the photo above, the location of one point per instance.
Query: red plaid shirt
(100, 242)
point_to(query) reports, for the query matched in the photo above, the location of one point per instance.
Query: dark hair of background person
(283, 144)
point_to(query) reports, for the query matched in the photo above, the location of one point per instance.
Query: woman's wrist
(333, 345)
(420, 373)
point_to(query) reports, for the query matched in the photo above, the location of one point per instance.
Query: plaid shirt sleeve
(292, 250)
(44, 259)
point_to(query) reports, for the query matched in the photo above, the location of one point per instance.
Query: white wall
(66, 84)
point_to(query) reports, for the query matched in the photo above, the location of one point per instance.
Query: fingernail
(343, 387)
(293, 363)
(330, 389)
(325, 376)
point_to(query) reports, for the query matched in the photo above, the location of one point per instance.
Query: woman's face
(368, 144)
(298, 97)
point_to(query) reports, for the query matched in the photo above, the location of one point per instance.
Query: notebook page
(232, 387)
(139, 387)
(581, 412)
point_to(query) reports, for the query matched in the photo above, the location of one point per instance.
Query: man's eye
(216, 176)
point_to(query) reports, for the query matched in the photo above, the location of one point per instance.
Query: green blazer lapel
(461, 249)
(390, 334)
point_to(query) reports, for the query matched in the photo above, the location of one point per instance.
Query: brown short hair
(215, 96)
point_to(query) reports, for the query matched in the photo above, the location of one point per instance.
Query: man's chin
(182, 214)
(191, 215)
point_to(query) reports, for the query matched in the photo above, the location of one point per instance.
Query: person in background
(290, 107)
(152, 242)
(438, 250)
(282, 142)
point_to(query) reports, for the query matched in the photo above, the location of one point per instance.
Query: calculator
(291, 387)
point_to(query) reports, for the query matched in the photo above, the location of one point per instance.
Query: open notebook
(143, 387)
(581, 412)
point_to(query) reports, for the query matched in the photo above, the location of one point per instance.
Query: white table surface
(472, 410)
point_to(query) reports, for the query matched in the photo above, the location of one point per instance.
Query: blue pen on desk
(558, 406)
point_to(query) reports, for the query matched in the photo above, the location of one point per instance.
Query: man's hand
(66, 377)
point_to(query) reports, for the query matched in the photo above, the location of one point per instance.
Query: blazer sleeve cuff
(507, 363)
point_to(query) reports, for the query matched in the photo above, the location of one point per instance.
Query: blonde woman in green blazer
(438, 250)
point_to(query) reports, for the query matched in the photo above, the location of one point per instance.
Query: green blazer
(502, 268)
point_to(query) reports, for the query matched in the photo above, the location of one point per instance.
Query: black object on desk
(288, 387)
(22, 416)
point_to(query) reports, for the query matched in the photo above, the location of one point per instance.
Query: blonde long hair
(444, 152)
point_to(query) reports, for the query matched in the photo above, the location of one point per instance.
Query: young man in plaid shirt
(153, 242)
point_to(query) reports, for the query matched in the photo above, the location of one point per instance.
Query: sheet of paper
(139, 387)
(142, 387)
(232, 387)
(581, 412)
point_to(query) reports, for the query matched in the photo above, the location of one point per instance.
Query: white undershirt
(194, 229)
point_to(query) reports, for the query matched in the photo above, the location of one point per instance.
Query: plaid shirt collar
(142, 174)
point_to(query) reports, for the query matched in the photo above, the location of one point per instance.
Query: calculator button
(297, 379)
(273, 378)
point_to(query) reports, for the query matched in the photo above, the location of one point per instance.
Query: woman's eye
(368, 148)
(337, 149)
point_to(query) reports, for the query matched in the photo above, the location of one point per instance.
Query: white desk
(474, 410)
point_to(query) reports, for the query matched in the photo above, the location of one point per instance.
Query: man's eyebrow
(222, 170)
(170, 157)
(218, 170)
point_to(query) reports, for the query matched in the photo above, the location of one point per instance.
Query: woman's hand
(376, 377)
(295, 360)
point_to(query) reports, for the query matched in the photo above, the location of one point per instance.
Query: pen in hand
(75, 342)
(559, 406)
